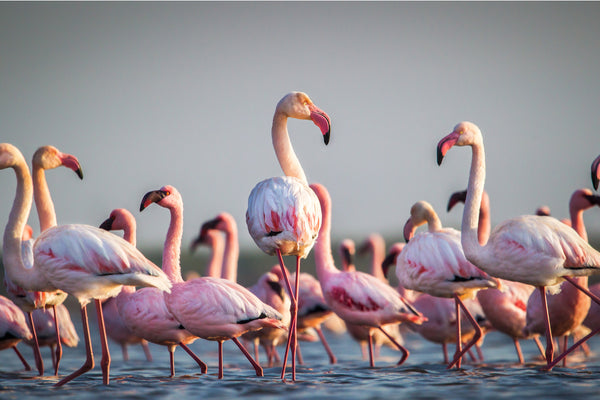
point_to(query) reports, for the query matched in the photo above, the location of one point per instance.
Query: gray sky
(148, 94)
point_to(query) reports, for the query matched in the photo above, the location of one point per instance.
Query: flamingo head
(420, 213)
(298, 105)
(390, 258)
(119, 219)
(347, 251)
(583, 199)
(167, 197)
(543, 211)
(49, 157)
(10, 156)
(455, 198)
(464, 134)
(208, 228)
(596, 172)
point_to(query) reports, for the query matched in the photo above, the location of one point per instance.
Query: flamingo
(121, 219)
(540, 251)
(505, 309)
(357, 297)
(144, 312)
(13, 328)
(433, 262)
(568, 308)
(44, 158)
(210, 308)
(596, 172)
(283, 215)
(84, 261)
(216, 242)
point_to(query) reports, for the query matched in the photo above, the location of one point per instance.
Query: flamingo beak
(152, 197)
(596, 172)
(72, 163)
(322, 120)
(409, 230)
(107, 224)
(348, 258)
(457, 197)
(593, 199)
(388, 261)
(445, 144)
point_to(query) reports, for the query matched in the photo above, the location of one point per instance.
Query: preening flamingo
(44, 158)
(13, 328)
(568, 308)
(433, 262)
(144, 311)
(505, 309)
(357, 297)
(283, 215)
(539, 251)
(210, 308)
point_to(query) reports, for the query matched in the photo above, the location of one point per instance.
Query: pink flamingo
(505, 309)
(44, 158)
(84, 261)
(540, 251)
(568, 308)
(216, 242)
(596, 172)
(144, 312)
(283, 215)
(121, 219)
(210, 308)
(433, 262)
(13, 328)
(357, 297)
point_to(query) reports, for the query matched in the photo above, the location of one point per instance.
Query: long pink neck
(28, 278)
(377, 246)
(577, 221)
(324, 261)
(130, 235)
(283, 148)
(171, 259)
(232, 252)
(470, 221)
(43, 200)
(485, 224)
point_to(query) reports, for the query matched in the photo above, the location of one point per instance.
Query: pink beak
(71, 162)
(445, 144)
(322, 120)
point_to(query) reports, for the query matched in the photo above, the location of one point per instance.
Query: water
(422, 376)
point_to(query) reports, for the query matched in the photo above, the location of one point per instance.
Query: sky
(150, 94)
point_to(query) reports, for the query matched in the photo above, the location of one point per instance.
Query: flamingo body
(13, 327)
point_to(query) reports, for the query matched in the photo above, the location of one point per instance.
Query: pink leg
(37, 355)
(518, 349)
(564, 348)
(105, 361)
(293, 310)
(471, 355)
(25, 364)
(299, 355)
(124, 352)
(458, 335)
(445, 351)
(203, 367)
(295, 337)
(473, 341)
(58, 342)
(479, 352)
(549, 339)
(539, 346)
(257, 368)
(332, 358)
(256, 352)
(370, 346)
(404, 350)
(172, 359)
(220, 375)
(146, 349)
(53, 355)
(89, 355)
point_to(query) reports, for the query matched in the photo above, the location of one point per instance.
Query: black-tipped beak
(152, 197)
(387, 262)
(455, 198)
(440, 156)
(107, 224)
(79, 173)
(596, 172)
(277, 288)
(593, 199)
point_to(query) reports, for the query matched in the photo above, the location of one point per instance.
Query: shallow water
(423, 376)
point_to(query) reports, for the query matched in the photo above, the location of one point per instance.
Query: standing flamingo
(357, 297)
(568, 308)
(539, 251)
(210, 308)
(13, 328)
(505, 309)
(433, 262)
(143, 311)
(44, 158)
(283, 215)
(84, 261)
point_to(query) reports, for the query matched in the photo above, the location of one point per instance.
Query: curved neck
(28, 278)
(232, 253)
(217, 246)
(485, 224)
(470, 221)
(377, 256)
(171, 259)
(433, 222)
(283, 148)
(43, 200)
(577, 221)
(324, 261)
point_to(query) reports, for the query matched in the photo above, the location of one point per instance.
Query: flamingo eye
(167, 193)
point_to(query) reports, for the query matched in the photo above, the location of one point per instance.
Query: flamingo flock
(527, 277)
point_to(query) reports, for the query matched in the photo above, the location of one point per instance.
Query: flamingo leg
(53, 355)
(59, 350)
(370, 346)
(124, 352)
(552, 363)
(203, 367)
(332, 358)
(146, 349)
(404, 350)
(518, 349)
(293, 311)
(105, 361)
(539, 345)
(299, 354)
(549, 339)
(256, 355)
(89, 355)
(473, 322)
(565, 345)
(458, 335)
(37, 355)
(257, 368)
(25, 364)
(471, 355)
(220, 374)
(445, 351)
(295, 337)
(479, 353)
(172, 359)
